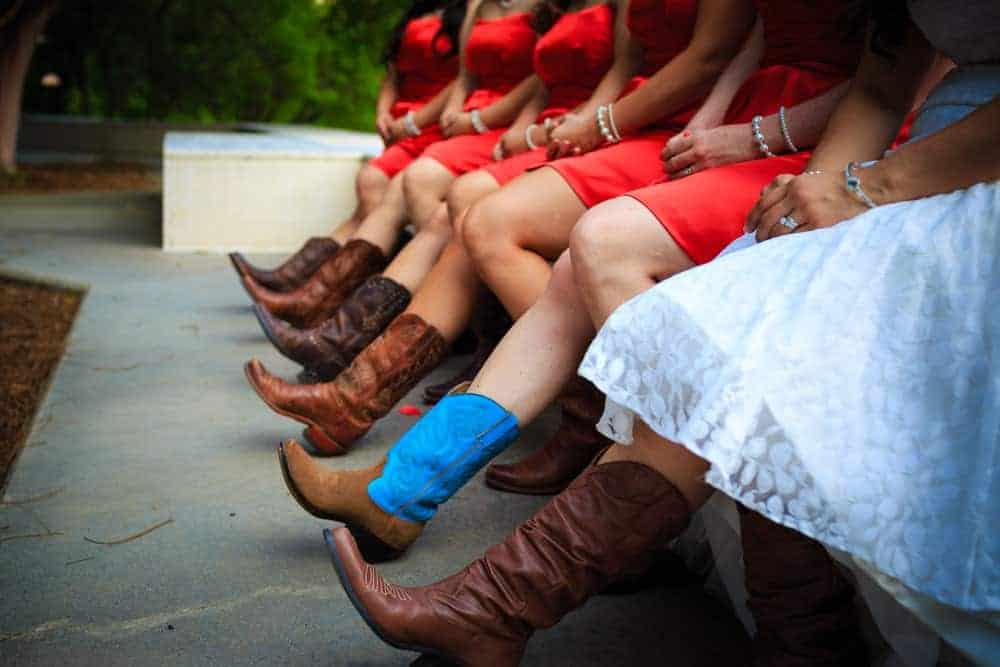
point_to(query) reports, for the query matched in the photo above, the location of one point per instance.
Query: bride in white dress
(839, 367)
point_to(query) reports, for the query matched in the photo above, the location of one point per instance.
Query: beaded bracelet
(853, 184)
(477, 122)
(604, 126)
(784, 131)
(612, 123)
(759, 136)
(527, 137)
(411, 125)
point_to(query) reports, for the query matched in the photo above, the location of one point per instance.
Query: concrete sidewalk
(150, 419)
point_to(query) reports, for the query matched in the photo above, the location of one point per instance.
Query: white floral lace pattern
(843, 382)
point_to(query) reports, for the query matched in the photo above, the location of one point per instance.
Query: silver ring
(788, 221)
(687, 171)
(498, 152)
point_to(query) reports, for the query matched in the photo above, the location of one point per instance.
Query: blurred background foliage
(282, 61)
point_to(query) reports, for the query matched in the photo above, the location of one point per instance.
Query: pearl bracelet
(477, 122)
(759, 137)
(411, 125)
(527, 137)
(605, 127)
(784, 131)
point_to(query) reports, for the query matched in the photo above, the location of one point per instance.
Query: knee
(484, 229)
(466, 191)
(562, 284)
(420, 180)
(370, 186)
(591, 243)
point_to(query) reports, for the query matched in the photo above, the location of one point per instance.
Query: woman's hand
(383, 123)
(397, 130)
(695, 150)
(456, 125)
(511, 143)
(812, 200)
(576, 134)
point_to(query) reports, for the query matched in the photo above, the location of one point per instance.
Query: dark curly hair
(547, 12)
(452, 16)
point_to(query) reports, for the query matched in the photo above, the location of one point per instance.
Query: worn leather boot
(342, 496)
(550, 469)
(803, 605)
(338, 413)
(429, 464)
(296, 270)
(328, 349)
(312, 303)
(602, 527)
(490, 322)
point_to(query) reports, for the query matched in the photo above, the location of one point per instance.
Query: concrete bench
(258, 192)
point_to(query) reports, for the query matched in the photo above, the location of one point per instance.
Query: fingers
(678, 144)
(778, 221)
(775, 192)
(681, 165)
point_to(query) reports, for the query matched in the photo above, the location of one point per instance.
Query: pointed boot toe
(240, 263)
(342, 495)
(284, 337)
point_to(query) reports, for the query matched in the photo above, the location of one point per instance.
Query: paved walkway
(150, 419)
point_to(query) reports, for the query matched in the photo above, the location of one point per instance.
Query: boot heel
(322, 442)
(372, 548)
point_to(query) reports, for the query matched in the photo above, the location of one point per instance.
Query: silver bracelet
(411, 125)
(784, 131)
(611, 122)
(759, 136)
(527, 137)
(853, 184)
(477, 122)
(604, 126)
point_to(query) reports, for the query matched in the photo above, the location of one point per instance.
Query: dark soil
(101, 176)
(35, 321)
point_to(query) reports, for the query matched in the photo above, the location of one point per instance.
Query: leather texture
(295, 271)
(340, 495)
(802, 603)
(566, 454)
(320, 296)
(442, 452)
(328, 349)
(339, 412)
(602, 527)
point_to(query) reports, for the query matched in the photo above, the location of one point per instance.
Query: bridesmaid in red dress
(494, 82)
(421, 62)
(572, 59)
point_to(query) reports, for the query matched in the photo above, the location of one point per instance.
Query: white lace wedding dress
(843, 382)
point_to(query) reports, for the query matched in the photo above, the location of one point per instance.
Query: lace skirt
(842, 382)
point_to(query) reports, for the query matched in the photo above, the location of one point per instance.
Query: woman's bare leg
(381, 227)
(619, 250)
(411, 266)
(675, 462)
(514, 233)
(370, 186)
(425, 185)
(449, 293)
(541, 352)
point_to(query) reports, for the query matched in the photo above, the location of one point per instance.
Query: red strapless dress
(499, 54)
(571, 59)
(422, 73)
(806, 55)
(664, 28)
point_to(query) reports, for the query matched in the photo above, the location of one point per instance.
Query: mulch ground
(34, 323)
(48, 178)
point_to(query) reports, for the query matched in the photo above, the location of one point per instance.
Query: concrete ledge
(258, 192)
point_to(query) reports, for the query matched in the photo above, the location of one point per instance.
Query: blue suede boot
(442, 451)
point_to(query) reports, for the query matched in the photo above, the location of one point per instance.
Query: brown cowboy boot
(342, 495)
(328, 349)
(566, 454)
(600, 528)
(315, 301)
(338, 413)
(802, 604)
(296, 270)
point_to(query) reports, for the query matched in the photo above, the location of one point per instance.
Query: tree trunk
(15, 58)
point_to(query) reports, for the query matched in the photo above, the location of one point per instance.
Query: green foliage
(286, 61)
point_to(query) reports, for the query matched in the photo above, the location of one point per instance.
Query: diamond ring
(788, 221)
